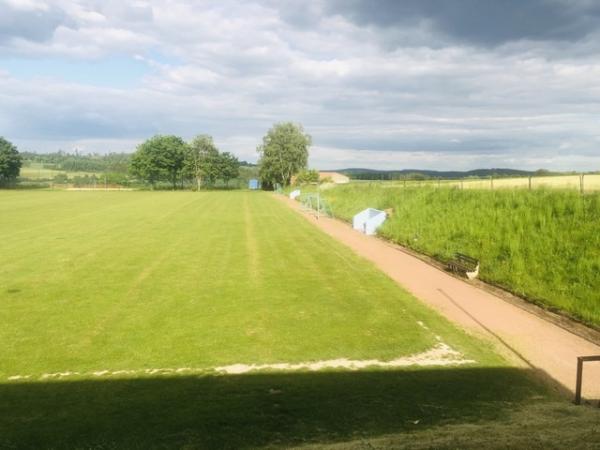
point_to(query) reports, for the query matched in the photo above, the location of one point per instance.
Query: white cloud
(231, 69)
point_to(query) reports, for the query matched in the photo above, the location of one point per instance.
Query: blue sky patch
(114, 71)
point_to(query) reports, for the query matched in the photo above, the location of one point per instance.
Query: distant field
(38, 172)
(591, 183)
(118, 308)
(542, 244)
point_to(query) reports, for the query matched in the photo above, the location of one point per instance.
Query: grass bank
(540, 244)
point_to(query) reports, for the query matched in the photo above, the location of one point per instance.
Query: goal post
(579, 380)
(316, 205)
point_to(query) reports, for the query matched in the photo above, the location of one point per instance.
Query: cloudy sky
(441, 84)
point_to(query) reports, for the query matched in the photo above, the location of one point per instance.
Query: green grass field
(100, 289)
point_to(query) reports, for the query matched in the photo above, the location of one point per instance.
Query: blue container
(253, 184)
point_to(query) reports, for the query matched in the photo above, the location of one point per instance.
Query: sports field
(170, 319)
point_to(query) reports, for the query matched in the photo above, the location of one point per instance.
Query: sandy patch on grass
(111, 373)
(440, 355)
(19, 377)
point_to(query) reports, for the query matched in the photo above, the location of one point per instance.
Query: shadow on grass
(246, 411)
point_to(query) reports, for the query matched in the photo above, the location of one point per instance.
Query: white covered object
(368, 220)
(295, 194)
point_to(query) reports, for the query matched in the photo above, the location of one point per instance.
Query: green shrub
(307, 176)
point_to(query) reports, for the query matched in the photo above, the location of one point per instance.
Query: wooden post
(529, 182)
(581, 188)
(579, 381)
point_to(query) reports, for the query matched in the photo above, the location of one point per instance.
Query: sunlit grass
(135, 280)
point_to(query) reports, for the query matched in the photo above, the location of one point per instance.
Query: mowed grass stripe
(196, 279)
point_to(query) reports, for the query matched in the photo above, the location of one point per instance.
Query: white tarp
(369, 220)
(295, 194)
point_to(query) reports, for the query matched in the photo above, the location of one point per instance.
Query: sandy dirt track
(524, 338)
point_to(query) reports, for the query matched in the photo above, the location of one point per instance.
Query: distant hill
(372, 174)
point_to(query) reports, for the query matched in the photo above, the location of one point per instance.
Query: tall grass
(541, 244)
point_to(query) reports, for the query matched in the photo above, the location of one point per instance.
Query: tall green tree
(160, 158)
(283, 153)
(229, 167)
(10, 162)
(201, 160)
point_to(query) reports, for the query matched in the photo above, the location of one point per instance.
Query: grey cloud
(32, 25)
(304, 14)
(479, 22)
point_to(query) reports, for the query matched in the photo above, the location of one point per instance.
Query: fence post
(581, 187)
(529, 182)
(318, 203)
(578, 382)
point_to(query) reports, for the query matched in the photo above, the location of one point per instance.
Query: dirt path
(525, 338)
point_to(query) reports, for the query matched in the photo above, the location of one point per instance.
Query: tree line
(170, 159)
(161, 159)
(282, 154)
(78, 162)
